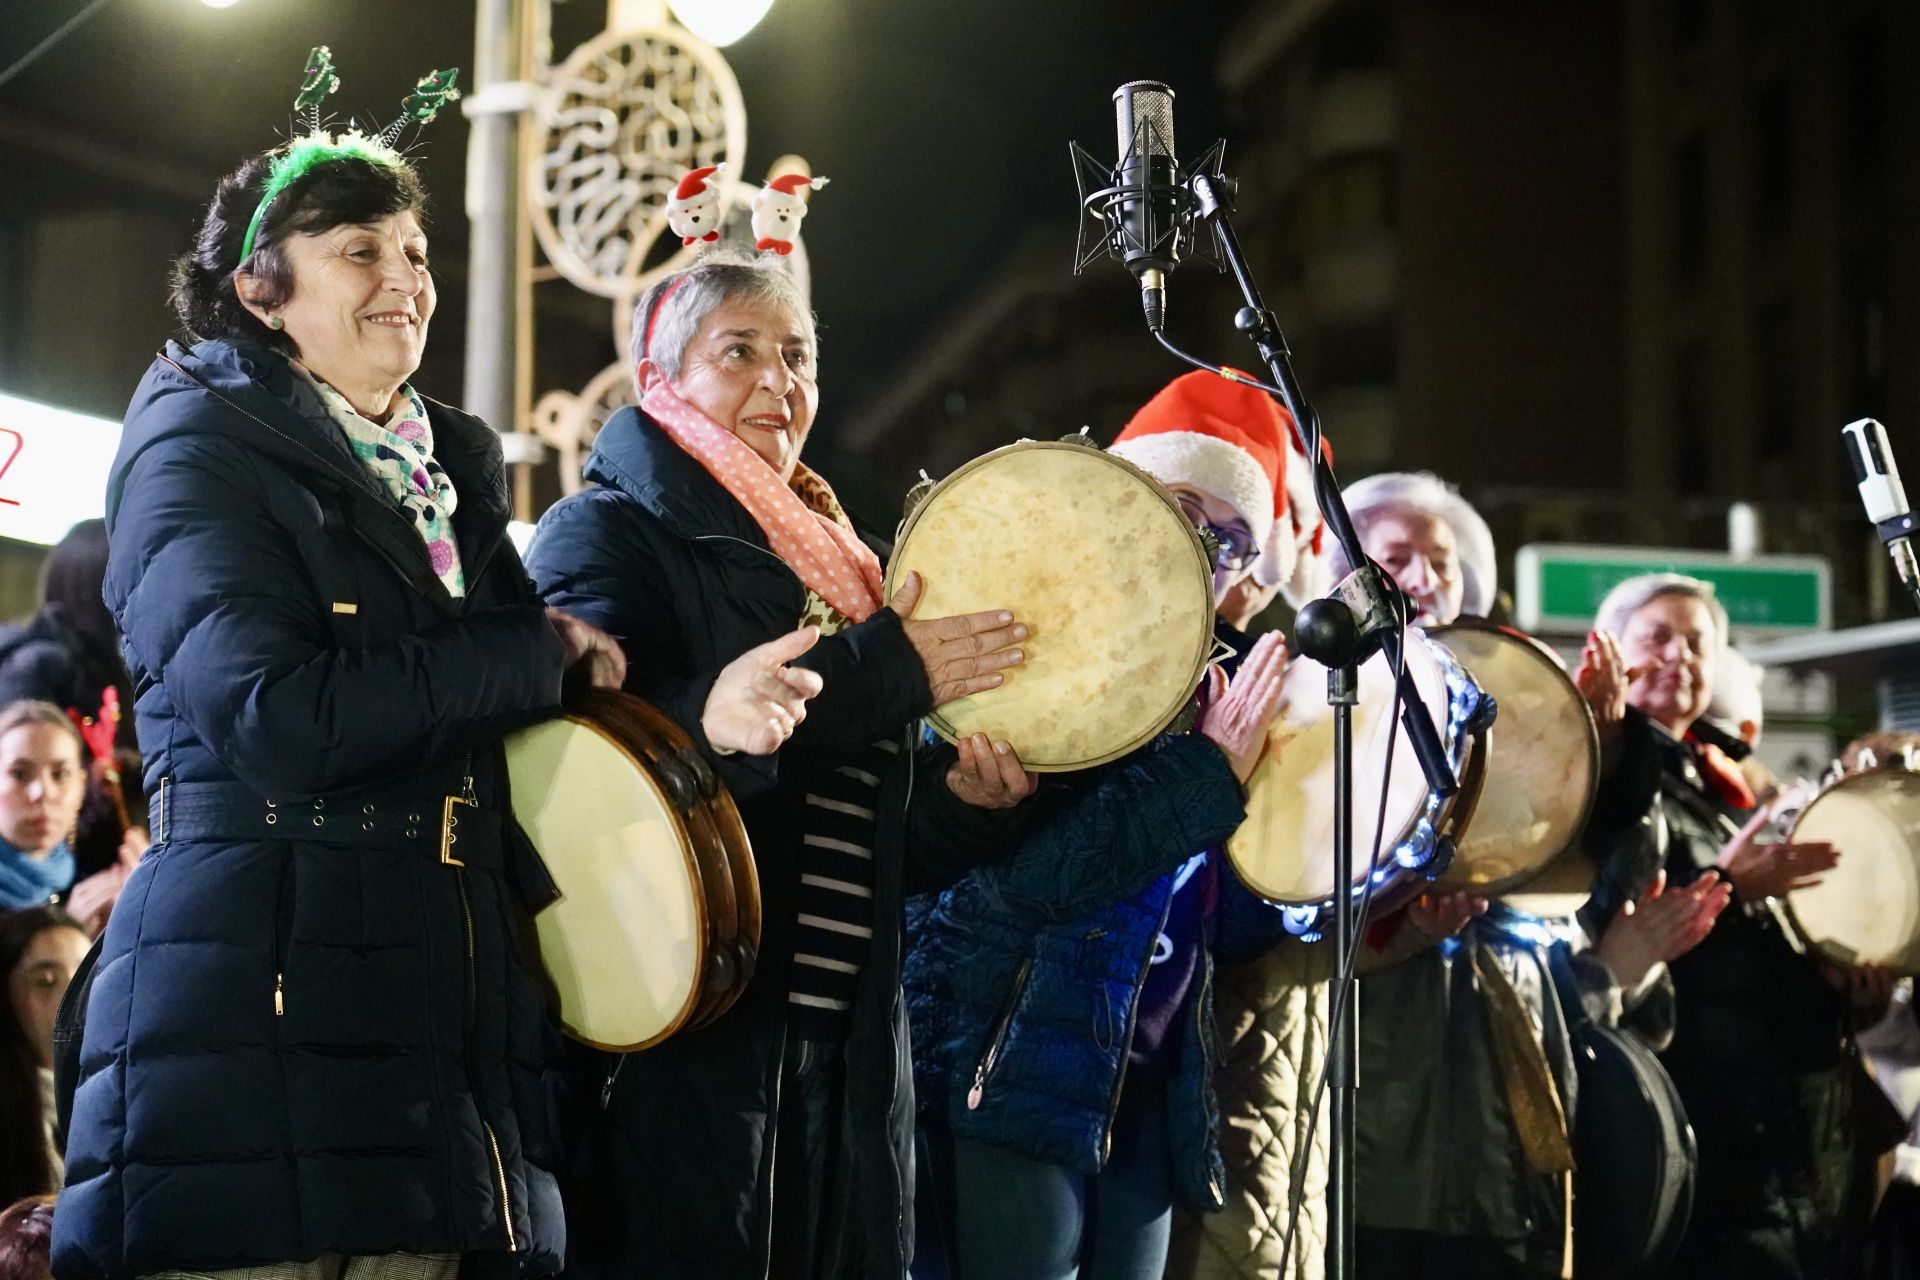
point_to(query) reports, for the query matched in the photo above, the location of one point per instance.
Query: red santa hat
(1217, 435)
(694, 181)
(790, 183)
(1231, 440)
(1295, 555)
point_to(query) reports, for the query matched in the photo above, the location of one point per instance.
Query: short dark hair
(329, 195)
(70, 581)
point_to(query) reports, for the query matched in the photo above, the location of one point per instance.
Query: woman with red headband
(776, 1141)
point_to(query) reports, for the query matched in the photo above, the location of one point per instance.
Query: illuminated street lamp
(720, 22)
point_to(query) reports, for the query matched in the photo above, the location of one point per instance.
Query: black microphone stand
(1340, 632)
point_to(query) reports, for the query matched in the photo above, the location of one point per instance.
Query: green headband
(317, 147)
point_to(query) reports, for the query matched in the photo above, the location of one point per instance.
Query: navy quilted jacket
(669, 1172)
(295, 1046)
(1025, 974)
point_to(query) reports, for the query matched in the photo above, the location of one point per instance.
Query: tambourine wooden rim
(1546, 657)
(688, 1007)
(1203, 639)
(713, 841)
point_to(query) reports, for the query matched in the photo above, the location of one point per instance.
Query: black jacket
(48, 658)
(1761, 1053)
(305, 1033)
(670, 1173)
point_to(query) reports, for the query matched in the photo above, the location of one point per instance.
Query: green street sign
(1558, 586)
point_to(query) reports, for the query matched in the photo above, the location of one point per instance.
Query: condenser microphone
(1884, 497)
(1145, 215)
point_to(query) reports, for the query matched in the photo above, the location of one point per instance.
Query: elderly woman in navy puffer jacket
(312, 1045)
(1065, 1077)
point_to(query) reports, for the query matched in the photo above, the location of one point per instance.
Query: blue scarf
(32, 882)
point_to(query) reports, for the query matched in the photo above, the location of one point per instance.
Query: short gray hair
(1430, 496)
(1629, 597)
(699, 291)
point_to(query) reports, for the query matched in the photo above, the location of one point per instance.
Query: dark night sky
(943, 126)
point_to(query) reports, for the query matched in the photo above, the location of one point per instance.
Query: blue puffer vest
(1024, 977)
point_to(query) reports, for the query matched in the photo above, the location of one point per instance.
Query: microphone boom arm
(1378, 620)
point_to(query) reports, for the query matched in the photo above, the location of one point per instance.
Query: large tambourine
(1543, 762)
(1284, 850)
(655, 923)
(1098, 560)
(1866, 910)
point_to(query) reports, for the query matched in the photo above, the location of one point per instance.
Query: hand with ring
(989, 776)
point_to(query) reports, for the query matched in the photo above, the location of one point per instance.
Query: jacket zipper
(990, 1056)
(1202, 1008)
(893, 1021)
(493, 1143)
(1133, 1012)
(282, 935)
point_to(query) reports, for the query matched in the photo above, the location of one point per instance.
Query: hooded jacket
(671, 1151)
(306, 1032)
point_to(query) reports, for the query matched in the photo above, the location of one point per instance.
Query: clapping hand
(1661, 925)
(1602, 678)
(757, 700)
(1239, 712)
(1774, 870)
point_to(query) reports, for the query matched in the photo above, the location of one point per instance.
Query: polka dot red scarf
(811, 533)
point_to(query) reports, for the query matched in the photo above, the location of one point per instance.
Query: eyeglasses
(1233, 548)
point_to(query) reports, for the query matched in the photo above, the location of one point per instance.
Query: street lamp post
(500, 96)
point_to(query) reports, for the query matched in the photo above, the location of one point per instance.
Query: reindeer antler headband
(317, 147)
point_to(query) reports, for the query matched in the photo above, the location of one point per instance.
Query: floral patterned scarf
(399, 455)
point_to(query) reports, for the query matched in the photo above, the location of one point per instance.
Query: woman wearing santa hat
(1062, 997)
(1272, 995)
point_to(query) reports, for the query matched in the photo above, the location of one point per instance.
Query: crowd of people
(1003, 1025)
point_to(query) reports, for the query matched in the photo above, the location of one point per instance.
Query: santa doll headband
(694, 209)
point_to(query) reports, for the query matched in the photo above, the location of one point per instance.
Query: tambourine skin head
(1283, 851)
(1542, 760)
(624, 943)
(1867, 909)
(1101, 564)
